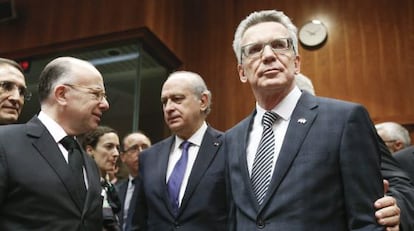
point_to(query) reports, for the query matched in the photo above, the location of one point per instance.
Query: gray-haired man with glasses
(13, 91)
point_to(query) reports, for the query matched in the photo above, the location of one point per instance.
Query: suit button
(177, 225)
(260, 223)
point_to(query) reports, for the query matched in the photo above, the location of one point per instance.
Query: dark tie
(76, 164)
(262, 164)
(176, 177)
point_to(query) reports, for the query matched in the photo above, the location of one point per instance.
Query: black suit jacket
(327, 176)
(122, 188)
(204, 205)
(37, 190)
(406, 159)
(401, 188)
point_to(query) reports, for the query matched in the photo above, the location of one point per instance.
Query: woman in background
(102, 144)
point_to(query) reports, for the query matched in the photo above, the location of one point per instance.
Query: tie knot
(185, 145)
(69, 142)
(269, 118)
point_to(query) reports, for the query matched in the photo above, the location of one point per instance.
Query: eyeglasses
(98, 93)
(136, 148)
(7, 86)
(390, 141)
(254, 50)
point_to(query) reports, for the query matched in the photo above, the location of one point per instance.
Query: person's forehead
(137, 138)
(263, 31)
(175, 86)
(10, 73)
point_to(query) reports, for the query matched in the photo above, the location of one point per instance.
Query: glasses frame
(8, 86)
(99, 94)
(263, 45)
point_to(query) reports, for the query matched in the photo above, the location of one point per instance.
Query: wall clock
(313, 33)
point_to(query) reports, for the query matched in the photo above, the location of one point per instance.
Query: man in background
(46, 181)
(13, 91)
(394, 135)
(133, 144)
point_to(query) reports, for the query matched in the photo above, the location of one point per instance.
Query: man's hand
(388, 212)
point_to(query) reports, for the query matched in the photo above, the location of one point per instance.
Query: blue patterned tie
(176, 177)
(263, 160)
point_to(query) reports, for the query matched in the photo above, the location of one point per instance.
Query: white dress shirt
(284, 109)
(175, 155)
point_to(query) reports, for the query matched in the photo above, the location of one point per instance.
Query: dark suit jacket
(326, 178)
(122, 187)
(401, 188)
(37, 190)
(405, 158)
(204, 204)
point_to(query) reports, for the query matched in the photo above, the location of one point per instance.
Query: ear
(398, 145)
(297, 64)
(242, 75)
(60, 94)
(204, 99)
(89, 150)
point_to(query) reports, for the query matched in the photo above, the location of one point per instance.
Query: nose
(168, 106)
(268, 54)
(104, 104)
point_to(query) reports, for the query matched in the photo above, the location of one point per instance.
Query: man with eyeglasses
(296, 162)
(47, 182)
(133, 144)
(13, 91)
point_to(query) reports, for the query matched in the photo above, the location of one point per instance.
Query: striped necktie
(263, 160)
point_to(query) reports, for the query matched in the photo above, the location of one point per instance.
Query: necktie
(76, 164)
(262, 164)
(176, 177)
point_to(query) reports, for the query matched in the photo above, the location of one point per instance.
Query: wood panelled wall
(368, 57)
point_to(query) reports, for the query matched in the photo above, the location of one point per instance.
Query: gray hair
(304, 83)
(198, 85)
(395, 131)
(264, 16)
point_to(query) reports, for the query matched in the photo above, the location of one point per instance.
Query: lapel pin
(302, 120)
(216, 143)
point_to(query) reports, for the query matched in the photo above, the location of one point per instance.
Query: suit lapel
(94, 184)
(208, 150)
(48, 149)
(244, 136)
(164, 153)
(299, 125)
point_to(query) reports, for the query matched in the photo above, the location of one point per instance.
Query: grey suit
(204, 205)
(326, 178)
(37, 190)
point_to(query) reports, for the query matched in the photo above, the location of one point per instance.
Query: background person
(394, 135)
(13, 91)
(102, 144)
(133, 144)
(38, 187)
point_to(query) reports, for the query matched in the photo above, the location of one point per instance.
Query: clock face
(313, 33)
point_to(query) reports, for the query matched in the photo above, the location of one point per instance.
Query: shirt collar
(52, 126)
(285, 108)
(196, 138)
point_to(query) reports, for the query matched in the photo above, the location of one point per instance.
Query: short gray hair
(264, 16)
(395, 131)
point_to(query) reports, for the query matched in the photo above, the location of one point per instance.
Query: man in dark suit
(13, 91)
(38, 190)
(133, 144)
(405, 158)
(198, 200)
(318, 174)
